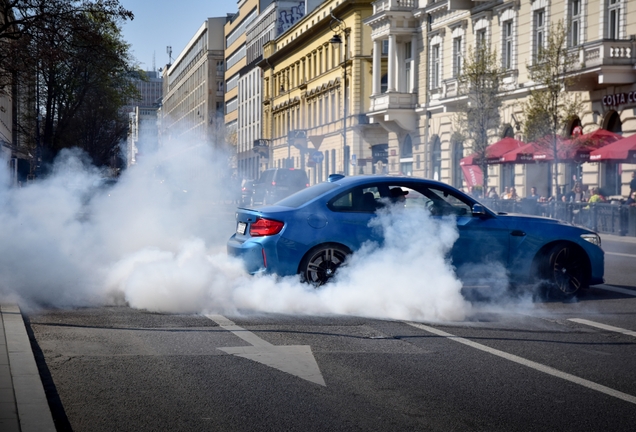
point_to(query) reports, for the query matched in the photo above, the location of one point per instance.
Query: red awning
(494, 151)
(577, 149)
(623, 150)
(523, 154)
(473, 175)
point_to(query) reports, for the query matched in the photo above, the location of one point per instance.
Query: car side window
(443, 202)
(358, 199)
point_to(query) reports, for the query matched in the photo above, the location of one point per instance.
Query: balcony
(604, 63)
(394, 111)
(393, 5)
(393, 101)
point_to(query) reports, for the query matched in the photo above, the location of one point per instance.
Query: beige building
(193, 88)
(415, 89)
(316, 87)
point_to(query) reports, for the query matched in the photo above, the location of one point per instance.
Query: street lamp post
(336, 40)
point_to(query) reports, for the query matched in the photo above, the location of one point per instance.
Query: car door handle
(517, 233)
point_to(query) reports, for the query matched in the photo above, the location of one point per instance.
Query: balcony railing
(606, 53)
(385, 5)
(387, 101)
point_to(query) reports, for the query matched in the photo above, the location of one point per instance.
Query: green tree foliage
(549, 106)
(71, 65)
(479, 112)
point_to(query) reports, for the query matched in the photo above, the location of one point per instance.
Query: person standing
(632, 184)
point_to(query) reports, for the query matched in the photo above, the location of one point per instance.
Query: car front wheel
(320, 264)
(566, 270)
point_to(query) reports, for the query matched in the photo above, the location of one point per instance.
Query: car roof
(383, 178)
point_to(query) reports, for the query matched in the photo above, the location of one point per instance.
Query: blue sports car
(312, 232)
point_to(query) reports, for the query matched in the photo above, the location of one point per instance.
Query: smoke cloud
(156, 240)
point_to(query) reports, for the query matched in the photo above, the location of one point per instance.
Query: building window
(480, 38)
(385, 47)
(437, 159)
(539, 33)
(575, 22)
(408, 56)
(457, 56)
(613, 19)
(435, 67)
(506, 49)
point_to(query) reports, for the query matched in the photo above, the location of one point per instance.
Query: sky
(163, 23)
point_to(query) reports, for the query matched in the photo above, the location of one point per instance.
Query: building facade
(271, 22)
(193, 88)
(316, 87)
(236, 64)
(416, 92)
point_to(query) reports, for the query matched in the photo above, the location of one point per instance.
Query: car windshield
(291, 177)
(306, 195)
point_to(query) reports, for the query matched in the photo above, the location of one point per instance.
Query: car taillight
(265, 227)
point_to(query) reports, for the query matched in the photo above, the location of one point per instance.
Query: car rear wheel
(320, 264)
(566, 271)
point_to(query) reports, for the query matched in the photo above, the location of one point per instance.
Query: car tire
(321, 263)
(566, 271)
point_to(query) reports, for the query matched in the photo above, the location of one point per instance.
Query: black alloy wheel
(566, 270)
(320, 264)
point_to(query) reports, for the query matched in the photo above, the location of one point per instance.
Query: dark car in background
(247, 189)
(312, 232)
(277, 183)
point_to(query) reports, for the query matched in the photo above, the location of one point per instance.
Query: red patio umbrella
(623, 150)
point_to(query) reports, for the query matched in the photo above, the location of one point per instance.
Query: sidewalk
(23, 404)
(611, 237)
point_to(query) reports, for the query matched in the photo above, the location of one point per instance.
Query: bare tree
(479, 113)
(550, 105)
(71, 65)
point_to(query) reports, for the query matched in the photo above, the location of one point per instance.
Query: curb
(27, 410)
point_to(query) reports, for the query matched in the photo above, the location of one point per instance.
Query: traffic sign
(317, 157)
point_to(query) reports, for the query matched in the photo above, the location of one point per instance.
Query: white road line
(603, 326)
(529, 363)
(620, 254)
(616, 289)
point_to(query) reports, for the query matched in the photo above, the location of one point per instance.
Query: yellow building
(235, 61)
(316, 84)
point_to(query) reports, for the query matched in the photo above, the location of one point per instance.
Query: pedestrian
(631, 201)
(492, 193)
(533, 194)
(597, 196)
(632, 184)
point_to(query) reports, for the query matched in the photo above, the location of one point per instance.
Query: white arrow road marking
(296, 360)
(529, 363)
(603, 326)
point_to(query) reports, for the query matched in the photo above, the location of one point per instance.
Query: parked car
(277, 183)
(247, 189)
(312, 232)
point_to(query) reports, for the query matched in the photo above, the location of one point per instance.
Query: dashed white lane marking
(616, 289)
(293, 359)
(531, 364)
(603, 326)
(621, 254)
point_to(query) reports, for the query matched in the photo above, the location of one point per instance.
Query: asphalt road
(564, 366)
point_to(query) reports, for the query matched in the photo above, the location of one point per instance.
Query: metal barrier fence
(606, 218)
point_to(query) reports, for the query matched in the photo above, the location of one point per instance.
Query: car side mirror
(479, 210)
